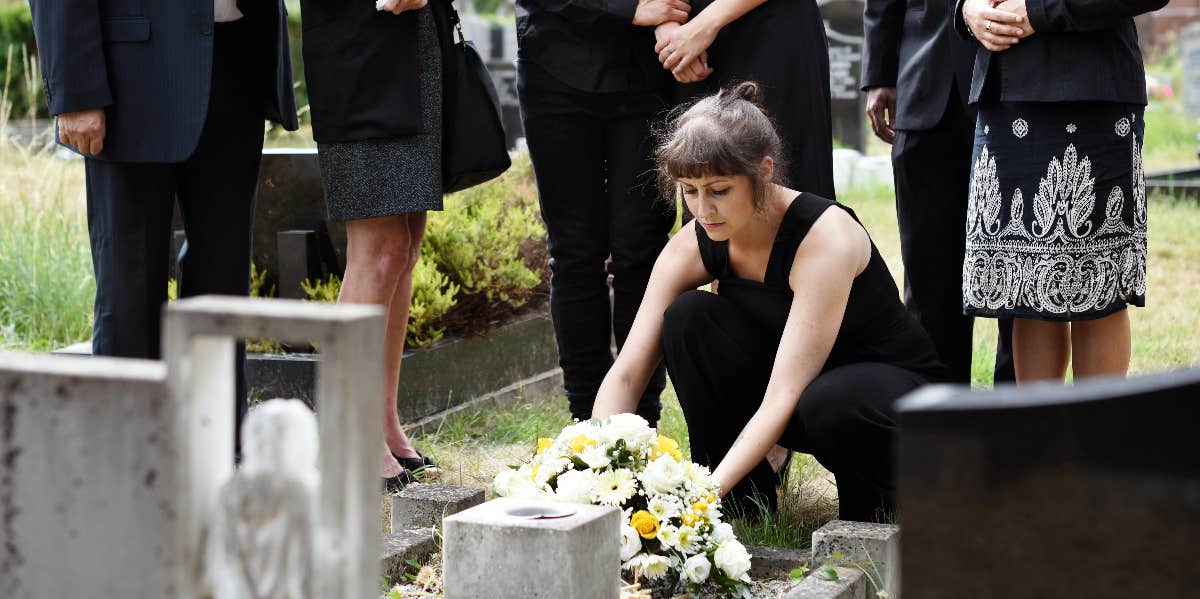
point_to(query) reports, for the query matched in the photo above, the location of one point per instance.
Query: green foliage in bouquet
(672, 534)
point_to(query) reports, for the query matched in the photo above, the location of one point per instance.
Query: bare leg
(397, 328)
(1041, 350)
(1101, 346)
(378, 256)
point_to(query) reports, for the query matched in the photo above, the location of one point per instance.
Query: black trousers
(130, 207)
(720, 357)
(592, 157)
(933, 177)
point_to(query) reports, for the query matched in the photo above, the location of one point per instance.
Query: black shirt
(590, 45)
(875, 328)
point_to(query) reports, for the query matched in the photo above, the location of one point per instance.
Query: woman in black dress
(806, 345)
(780, 45)
(1056, 217)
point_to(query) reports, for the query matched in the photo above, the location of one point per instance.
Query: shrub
(433, 296)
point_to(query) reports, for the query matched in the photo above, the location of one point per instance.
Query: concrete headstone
(1189, 52)
(425, 505)
(1090, 490)
(502, 550)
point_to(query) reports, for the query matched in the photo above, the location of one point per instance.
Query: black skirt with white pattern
(1056, 217)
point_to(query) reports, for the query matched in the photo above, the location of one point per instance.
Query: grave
(1188, 42)
(1090, 490)
(504, 550)
(844, 31)
(425, 505)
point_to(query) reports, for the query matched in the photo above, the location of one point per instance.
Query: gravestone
(504, 550)
(88, 483)
(1091, 490)
(844, 31)
(1189, 52)
(874, 546)
(199, 335)
(424, 505)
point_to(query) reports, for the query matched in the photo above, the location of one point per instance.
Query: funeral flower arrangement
(671, 532)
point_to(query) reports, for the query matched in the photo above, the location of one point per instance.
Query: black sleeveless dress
(720, 350)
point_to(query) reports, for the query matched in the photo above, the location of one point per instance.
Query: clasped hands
(997, 25)
(682, 45)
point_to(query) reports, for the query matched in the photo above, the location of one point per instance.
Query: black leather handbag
(474, 149)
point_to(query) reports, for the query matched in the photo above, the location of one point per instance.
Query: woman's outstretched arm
(833, 253)
(678, 269)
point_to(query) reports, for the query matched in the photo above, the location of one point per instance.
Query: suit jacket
(149, 64)
(911, 45)
(362, 71)
(591, 45)
(1080, 50)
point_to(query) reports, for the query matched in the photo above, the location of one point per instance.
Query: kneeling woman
(805, 345)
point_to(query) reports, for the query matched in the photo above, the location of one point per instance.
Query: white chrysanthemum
(663, 475)
(688, 540)
(548, 469)
(568, 434)
(596, 457)
(614, 487)
(632, 428)
(722, 533)
(699, 475)
(733, 559)
(631, 542)
(697, 568)
(575, 486)
(649, 566)
(668, 535)
(664, 507)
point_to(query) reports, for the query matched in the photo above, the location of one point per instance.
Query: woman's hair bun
(748, 91)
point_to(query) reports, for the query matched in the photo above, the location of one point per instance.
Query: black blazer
(911, 46)
(150, 65)
(361, 67)
(591, 45)
(1080, 50)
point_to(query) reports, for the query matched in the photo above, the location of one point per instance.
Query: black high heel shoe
(419, 465)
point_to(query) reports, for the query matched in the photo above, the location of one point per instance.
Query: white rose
(696, 568)
(504, 482)
(722, 533)
(733, 559)
(596, 457)
(575, 486)
(631, 542)
(662, 475)
(632, 428)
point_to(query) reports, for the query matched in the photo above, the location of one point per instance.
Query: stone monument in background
(844, 30)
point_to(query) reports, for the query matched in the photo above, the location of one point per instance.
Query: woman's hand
(398, 6)
(683, 45)
(996, 29)
(697, 70)
(652, 13)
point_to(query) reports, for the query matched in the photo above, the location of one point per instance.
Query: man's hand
(83, 130)
(652, 13)
(881, 108)
(996, 29)
(398, 6)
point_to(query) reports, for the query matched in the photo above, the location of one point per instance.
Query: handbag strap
(456, 23)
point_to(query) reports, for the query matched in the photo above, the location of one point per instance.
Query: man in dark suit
(166, 100)
(917, 74)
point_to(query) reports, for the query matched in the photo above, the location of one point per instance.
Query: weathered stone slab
(425, 505)
(1089, 490)
(87, 479)
(850, 584)
(493, 551)
(874, 546)
(403, 545)
(199, 336)
(773, 562)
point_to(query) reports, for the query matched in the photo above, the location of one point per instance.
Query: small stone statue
(260, 538)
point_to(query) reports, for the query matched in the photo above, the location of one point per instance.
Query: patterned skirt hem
(1030, 314)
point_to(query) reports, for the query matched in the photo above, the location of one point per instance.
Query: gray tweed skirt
(389, 177)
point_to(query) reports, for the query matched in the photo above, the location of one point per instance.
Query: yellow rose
(581, 443)
(544, 444)
(667, 446)
(645, 524)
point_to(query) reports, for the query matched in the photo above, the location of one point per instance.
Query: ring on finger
(988, 27)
